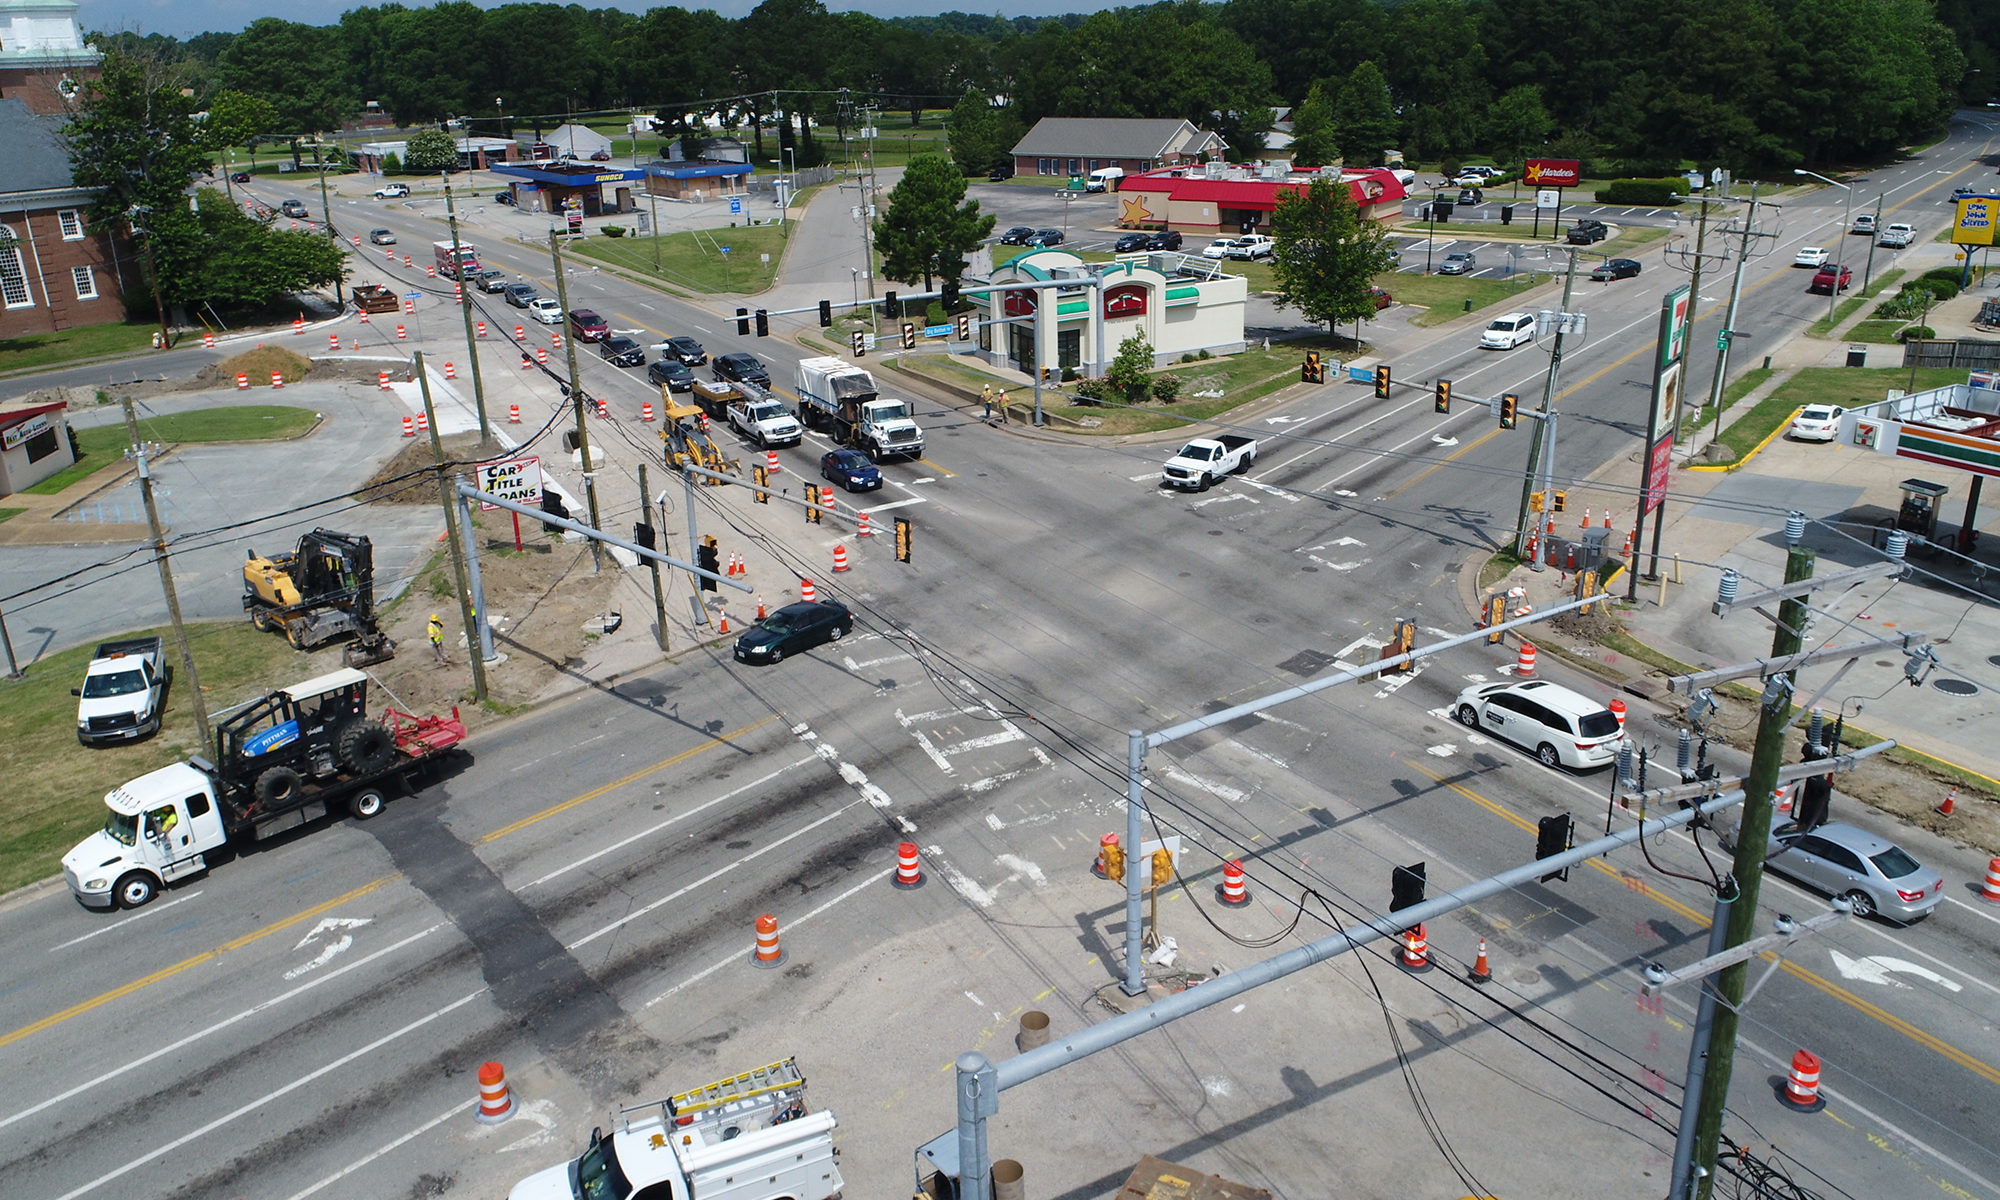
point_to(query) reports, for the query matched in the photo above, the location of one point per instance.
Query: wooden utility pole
(446, 498)
(659, 542)
(576, 402)
(139, 456)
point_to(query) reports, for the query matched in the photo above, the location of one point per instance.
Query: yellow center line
(207, 956)
(1929, 1041)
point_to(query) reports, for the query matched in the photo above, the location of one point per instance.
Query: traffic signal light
(909, 335)
(950, 294)
(1534, 501)
(763, 323)
(826, 314)
(1443, 403)
(742, 322)
(1406, 887)
(709, 559)
(858, 343)
(1305, 371)
(1509, 403)
(1382, 382)
(1114, 862)
(642, 533)
(1163, 866)
(1552, 837)
(964, 327)
(890, 307)
(1561, 502)
(1045, 374)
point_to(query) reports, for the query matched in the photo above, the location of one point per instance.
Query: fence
(1970, 354)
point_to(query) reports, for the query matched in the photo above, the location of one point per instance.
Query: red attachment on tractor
(418, 736)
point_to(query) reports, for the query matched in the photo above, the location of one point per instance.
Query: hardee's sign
(1552, 172)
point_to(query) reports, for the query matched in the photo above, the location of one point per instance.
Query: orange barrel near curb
(1801, 1092)
(767, 953)
(496, 1103)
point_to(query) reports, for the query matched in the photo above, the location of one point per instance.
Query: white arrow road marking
(542, 1114)
(1442, 750)
(1878, 968)
(335, 946)
(1441, 440)
(1268, 490)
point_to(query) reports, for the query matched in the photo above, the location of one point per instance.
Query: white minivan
(1509, 331)
(1104, 179)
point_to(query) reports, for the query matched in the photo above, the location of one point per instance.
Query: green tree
(1326, 255)
(299, 69)
(977, 144)
(930, 226)
(1518, 125)
(253, 262)
(1131, 369)
(1314, 143)
(1364, 118)
(392, 164)
(429, 152)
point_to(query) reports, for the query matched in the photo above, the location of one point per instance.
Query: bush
(614, 231)
(1451, 168)
(391, 164)
(1069, 375)
(1943, 289)
(1166, 388)
(934, 314)
(1187, 358)
(1205, 356)
(1916, 332)
(1644, 193)
(1092, 391)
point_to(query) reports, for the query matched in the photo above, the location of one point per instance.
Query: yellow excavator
(324, 589)
(687, 441)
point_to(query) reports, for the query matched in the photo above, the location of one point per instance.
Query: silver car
(1874, 875)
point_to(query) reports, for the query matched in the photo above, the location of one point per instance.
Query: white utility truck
(841, 399)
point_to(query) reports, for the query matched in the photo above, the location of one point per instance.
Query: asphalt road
(577, 900)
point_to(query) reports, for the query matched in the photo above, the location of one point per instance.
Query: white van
(1509, 331)
(1104, 179)
(1404, 176)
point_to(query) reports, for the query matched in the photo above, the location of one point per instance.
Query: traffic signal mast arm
(820, 307)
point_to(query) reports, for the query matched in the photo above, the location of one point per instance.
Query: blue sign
(735, 205)
(936, 330)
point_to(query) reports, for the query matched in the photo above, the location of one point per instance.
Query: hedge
(1645, 193)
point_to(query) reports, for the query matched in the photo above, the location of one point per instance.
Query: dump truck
(841, 399)
(324, 589)
(124, 691)
(291, 757)
(747, 1137)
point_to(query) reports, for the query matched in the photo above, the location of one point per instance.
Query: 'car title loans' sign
(516, 479)
(1552, 172)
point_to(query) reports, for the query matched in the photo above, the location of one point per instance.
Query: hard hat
(434, 616)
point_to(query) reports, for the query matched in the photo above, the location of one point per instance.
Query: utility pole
(576, 402)
(1547, 418)
(1751, 842)
(451, 531)
(1868, 272)
(325, 205)
(139, 456)
(465, 310)
(1694, 286)
(659, 595)
(1727, 337)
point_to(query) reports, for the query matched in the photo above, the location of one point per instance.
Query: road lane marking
(737, 958)
(336, 946)
(896, 504)
(457, 1109)
(154, 910)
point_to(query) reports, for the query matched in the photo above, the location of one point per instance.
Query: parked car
(1817, 423)
(1382, 298)
(1562, 727)
(1045, 237)
(1831, 277)
(1471, 195)
(1251, 246)
(1617, 268)
(684, 349)
(1812, 256)
(850, 469)
(391, 191)
(1871, 873)
(1218, 248)
(1132, 241)
(1470, 178)
(1864, 223)
(490, 281)
(670, 373)
(295, 209)
(793, 628)
(1017, 236)
(382, 237)
(741, 368)
(241, 177)
(503, 197)
(587, 326)
(521, 295)
(1459, 262)
(1004, 171)
(1508, 331)
(1583, 233)
(1165, 239)
(621, 351)
(600, 156)
(545, 310)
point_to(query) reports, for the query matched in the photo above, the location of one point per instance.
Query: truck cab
(158, 829)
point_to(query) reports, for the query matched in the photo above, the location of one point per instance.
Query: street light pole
(1846, 224)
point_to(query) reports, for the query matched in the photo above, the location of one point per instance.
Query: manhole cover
(1307, 662)
(1955, 687)
(1993, 660)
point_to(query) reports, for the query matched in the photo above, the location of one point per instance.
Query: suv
(521, 295)
(490, 281)
(1508, 331)
(1864, 223)
(391, 191)
(686, 349)
(1561, 727)
(294, 208)
(1583, 233)
(1251, 246)
(741, 368)
(587, 325)
(1166, 239)
(621, 351)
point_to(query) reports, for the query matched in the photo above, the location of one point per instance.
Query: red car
(1382, 299)
(1830, 276)
(587, 325)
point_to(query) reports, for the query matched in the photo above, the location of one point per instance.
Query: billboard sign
(1553, 172)
(516, 479)
(1972, 225)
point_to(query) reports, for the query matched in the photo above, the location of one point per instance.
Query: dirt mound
(407, 478)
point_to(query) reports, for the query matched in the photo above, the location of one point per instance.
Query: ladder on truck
(774, 1093)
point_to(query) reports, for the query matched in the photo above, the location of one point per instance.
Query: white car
(1218, 249)
(1509, 331)
(391, 191)
(1817, 423)
(545, 310)
(1812, 256)
(1562, 727)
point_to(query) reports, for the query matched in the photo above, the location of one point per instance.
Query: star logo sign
(1136, 210)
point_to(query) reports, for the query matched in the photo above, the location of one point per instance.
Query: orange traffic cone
(760, 606)
(1480, 973)
(840, 557)
(723, 626)
(1948, 807)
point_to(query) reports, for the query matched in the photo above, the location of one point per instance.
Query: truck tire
(136, 890)
(1207, 482)
(277, 787)
(260, 620)
(366, 747)
(365, 803)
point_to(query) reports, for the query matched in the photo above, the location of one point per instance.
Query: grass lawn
(56, 787)
(1448, 297)
(694, 261)
(8, 514)
(1880, 331)
(104, 445)
(1853, 303)
(48, 349)
(1843, 386)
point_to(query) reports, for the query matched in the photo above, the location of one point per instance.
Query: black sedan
(1166, 239)
(850, 469)
(1131, 242)
(241, 177)
(621, 351)
(741, 368)
(1617, 268)
(673, 375)
(793, 628)
(1017, 236)
(686, 350)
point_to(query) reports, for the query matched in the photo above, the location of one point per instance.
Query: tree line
(1628, 84)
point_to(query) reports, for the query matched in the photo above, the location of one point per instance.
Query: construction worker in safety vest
(436, 631)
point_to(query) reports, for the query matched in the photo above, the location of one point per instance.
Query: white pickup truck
(1204, 460)
(766, 422)
(1896, 236)
(121, 692)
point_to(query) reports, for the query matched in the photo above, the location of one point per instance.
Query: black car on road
(741, 368)
(685, 350)
(671, 374)
(621, 351)
(1017, 236)
(1617, 268)
(794, 628)
(1583, 233)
